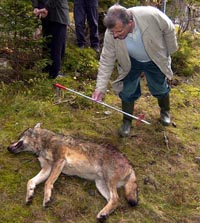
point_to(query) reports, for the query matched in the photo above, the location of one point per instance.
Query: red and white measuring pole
(139, 119)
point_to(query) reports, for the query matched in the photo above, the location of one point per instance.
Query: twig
(166, 140)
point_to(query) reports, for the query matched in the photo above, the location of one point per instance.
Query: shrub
(18, 28)
(185, 60)
(82, 62)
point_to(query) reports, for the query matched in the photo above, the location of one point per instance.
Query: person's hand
(35, 11)
(97, 96)
(42, 13)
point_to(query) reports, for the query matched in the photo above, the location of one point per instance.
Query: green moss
(167, 174)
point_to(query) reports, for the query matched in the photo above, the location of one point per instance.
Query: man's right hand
(97, 96)
(41, 13)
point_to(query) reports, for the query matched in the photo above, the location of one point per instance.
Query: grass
(168, 173)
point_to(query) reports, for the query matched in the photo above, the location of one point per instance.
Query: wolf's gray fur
(58, 153)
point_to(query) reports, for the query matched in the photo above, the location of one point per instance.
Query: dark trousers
(156, 81)
(86, 9)
(55, 34)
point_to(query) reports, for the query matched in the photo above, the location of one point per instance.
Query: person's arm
(169, 32)
(52, 3)
(35, 4)
(42, 12)
(106, 64)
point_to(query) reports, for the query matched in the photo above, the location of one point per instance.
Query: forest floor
(168, 171)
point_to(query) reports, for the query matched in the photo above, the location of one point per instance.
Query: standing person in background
(86, 10)
(140, 39)
(55, 18)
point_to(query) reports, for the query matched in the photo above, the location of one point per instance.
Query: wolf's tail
(131, 190)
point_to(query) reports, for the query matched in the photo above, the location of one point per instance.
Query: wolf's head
(27, 141)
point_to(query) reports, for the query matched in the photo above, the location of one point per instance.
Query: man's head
(119, 21)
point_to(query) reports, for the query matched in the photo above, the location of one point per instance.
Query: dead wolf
(58, 153)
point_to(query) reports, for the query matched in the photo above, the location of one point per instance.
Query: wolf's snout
(10, 149)
(14, 148)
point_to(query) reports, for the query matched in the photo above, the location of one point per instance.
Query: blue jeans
(156, 81)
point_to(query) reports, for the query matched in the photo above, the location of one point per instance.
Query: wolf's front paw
(29, 200)
(101, 218)
(46, 203)
(133, 203)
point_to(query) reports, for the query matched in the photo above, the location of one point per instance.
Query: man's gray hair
(116, 13)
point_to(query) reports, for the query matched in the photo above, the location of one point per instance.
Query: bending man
(140, 39)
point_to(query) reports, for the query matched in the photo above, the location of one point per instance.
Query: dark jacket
(58, 10)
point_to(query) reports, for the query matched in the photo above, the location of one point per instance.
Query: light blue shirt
(135, 45)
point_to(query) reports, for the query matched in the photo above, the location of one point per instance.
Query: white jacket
(159, 38)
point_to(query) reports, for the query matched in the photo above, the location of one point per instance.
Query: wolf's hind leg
(56, 171)
(112, 202)
(39, 178)
(102, 188)
(131, 192)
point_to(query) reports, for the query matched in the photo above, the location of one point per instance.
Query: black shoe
(125, 129)
(165, 118)
(164, 105)
(60, 75)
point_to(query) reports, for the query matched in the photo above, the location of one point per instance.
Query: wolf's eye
(26, 132)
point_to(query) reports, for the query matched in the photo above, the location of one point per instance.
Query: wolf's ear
(38, 125)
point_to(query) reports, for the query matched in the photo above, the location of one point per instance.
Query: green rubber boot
(164, 110)
(124, 130)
